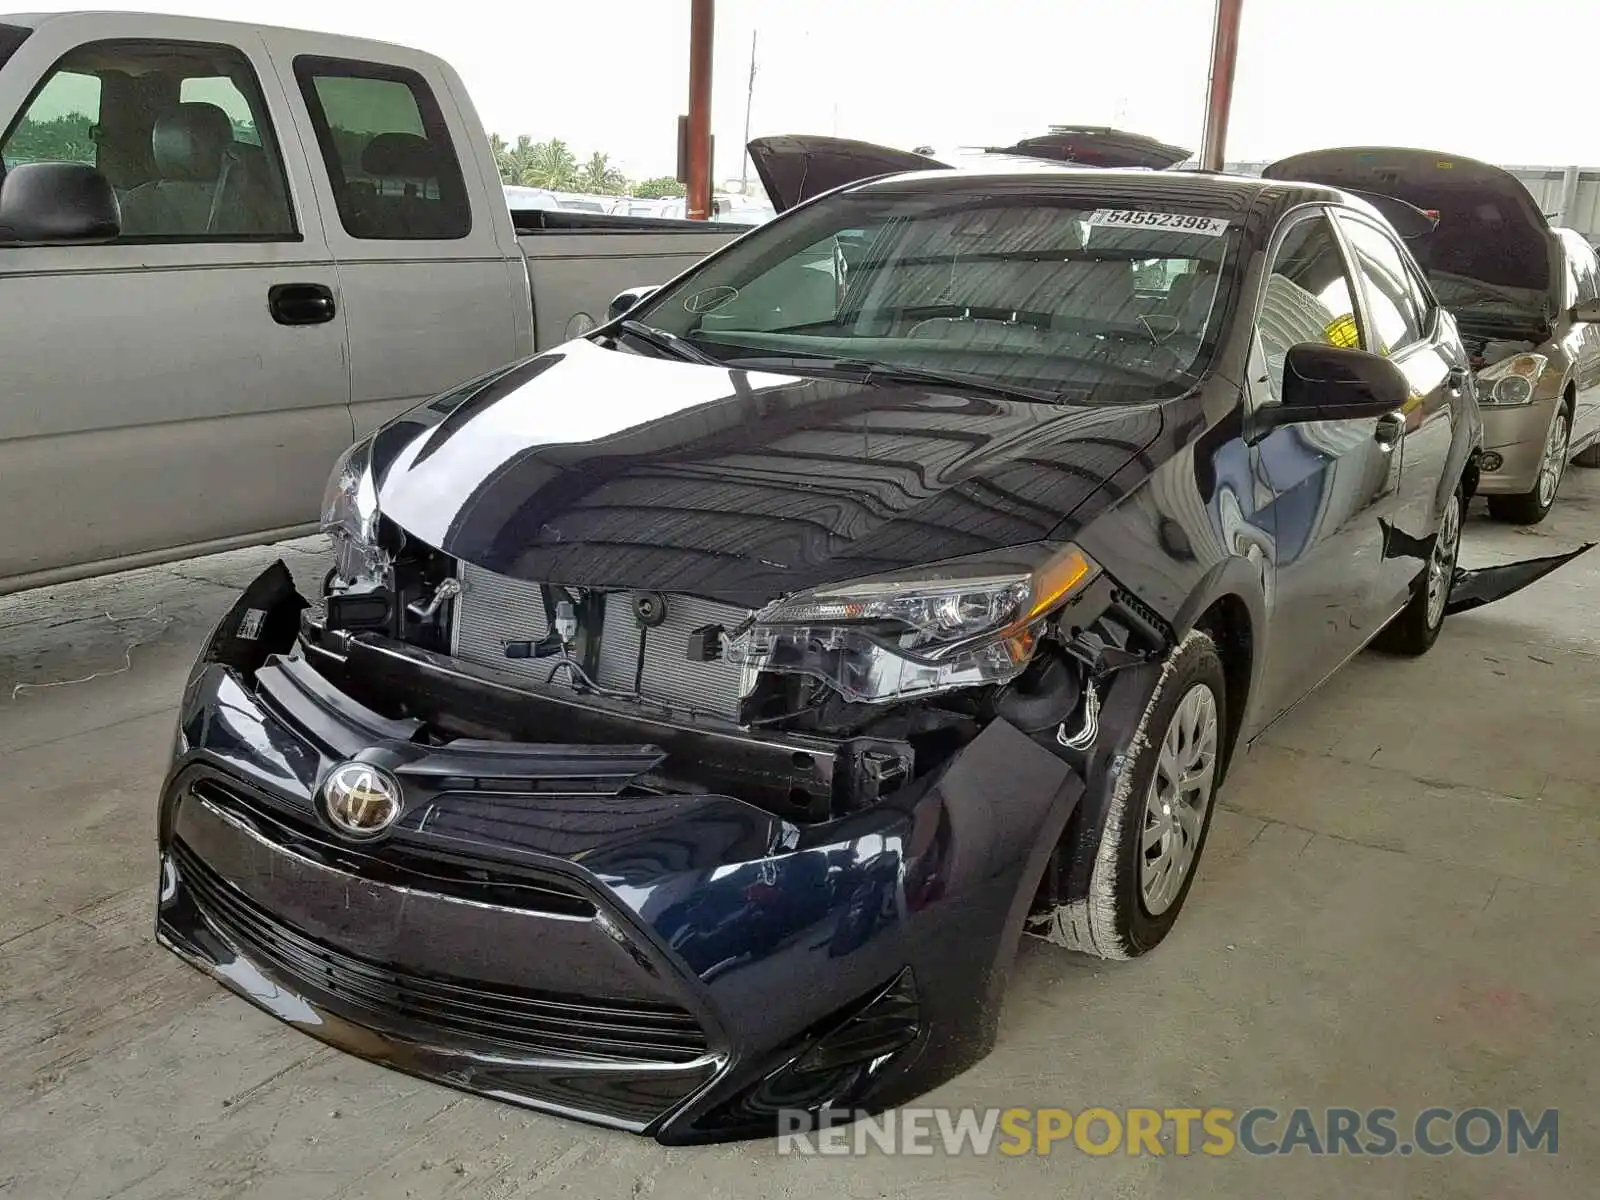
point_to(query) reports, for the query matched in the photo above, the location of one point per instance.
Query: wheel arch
(1230, 606)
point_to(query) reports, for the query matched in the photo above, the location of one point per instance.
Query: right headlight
(914, 633)
(350, 515)
(1511, 381)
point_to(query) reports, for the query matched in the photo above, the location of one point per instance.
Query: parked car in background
(679, 760)
(1526, 297)
(263, 244)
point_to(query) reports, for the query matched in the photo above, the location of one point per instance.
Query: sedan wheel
(1178, 798)
(1442, 562)
(1531, 507)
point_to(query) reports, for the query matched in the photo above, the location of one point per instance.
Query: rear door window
(387, 149)
(1397, 307)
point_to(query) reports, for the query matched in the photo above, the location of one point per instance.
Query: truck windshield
(1058, 295)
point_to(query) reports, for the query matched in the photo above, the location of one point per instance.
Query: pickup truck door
(184, 387)
(434, 285)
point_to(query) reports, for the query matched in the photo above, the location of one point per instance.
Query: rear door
(1325, 487)
(1406, 327)
(153, 399)
(434, 285)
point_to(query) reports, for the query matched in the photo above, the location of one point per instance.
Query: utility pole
(697, 151)
(1219, 91)
(749, 99)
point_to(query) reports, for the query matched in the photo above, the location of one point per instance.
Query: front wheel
(1159, 817)
(1533, 506)
(1417, 627)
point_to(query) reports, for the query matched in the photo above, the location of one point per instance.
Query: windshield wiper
(869, 372)
(670, 343)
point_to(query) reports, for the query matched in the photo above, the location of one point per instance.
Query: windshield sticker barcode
(1129, 218)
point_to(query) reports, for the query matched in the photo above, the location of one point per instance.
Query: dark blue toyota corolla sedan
(699, 711)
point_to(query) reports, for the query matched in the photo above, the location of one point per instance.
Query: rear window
(387, 150)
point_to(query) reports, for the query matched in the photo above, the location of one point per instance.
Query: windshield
(1058, 295)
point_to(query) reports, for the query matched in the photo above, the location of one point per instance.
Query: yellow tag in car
(1342, 332)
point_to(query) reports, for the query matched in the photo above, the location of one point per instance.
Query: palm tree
(545, 164)
(598, 175)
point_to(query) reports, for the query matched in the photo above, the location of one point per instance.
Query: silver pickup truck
(308, 235)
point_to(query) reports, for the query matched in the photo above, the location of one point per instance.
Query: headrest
(187, 141)
(400, 155)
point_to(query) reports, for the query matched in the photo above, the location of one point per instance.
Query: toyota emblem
(361, 800)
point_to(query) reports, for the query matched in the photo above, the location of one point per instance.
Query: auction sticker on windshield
(1132, 218)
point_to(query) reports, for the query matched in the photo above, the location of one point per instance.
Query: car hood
(604, 468)
(1489, 227)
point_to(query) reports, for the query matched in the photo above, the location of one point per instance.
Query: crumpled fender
(1485, 585)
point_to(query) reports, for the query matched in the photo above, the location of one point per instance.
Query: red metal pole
(1219, 92)
(701, 16)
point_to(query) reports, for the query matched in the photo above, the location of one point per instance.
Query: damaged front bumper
(540, 926)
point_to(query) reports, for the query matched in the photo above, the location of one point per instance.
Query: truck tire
(1160, 813)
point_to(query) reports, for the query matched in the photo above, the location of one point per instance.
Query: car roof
(1263, 200)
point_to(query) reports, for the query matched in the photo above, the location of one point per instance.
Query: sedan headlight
(914, 633)
(1511, 381)
(350, 515)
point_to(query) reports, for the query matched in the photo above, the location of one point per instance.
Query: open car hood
(1489, 227)
(795, 167)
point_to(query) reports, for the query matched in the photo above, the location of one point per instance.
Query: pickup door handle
(300, 303)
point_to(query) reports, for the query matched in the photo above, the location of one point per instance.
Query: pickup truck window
(178, 128)
(387, 149)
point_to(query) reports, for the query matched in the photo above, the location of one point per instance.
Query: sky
(612, 76)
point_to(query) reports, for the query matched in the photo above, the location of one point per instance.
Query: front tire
(1415, 630)
(1160, 814)
(1534, 505)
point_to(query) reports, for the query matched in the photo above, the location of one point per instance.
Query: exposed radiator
(652, 661)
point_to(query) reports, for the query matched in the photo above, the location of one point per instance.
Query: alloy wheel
(1442, 562)
(1178, 798)
(1554, 461)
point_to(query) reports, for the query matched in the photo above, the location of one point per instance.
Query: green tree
(60, 139)
(549, 164)
(598, 175)
(662, 187)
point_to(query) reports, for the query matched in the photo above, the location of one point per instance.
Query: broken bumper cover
(534, 930)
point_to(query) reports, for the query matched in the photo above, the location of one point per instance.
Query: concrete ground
(1398, 908)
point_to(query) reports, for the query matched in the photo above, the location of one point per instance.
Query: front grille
(652, 661)
(532, 1022)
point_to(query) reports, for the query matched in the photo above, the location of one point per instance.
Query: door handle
(300, 303)
(1389, 430)
(1456, 379)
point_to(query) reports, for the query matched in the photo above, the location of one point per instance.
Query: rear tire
(1414, 631)
(1160, 814)
(1533, 506)
(1589, 457)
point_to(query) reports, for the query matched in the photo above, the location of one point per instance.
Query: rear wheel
(1534, 505)
(1158, 821)
(1589, 457)
(1417, 627)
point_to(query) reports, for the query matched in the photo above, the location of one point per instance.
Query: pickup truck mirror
(1586, 311)
(628, 300)
(1334, 383)
(55, 203)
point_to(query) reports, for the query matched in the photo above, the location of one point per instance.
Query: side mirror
(627, 300)
(1586, 311)
(1332, 383)
(55, 203)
